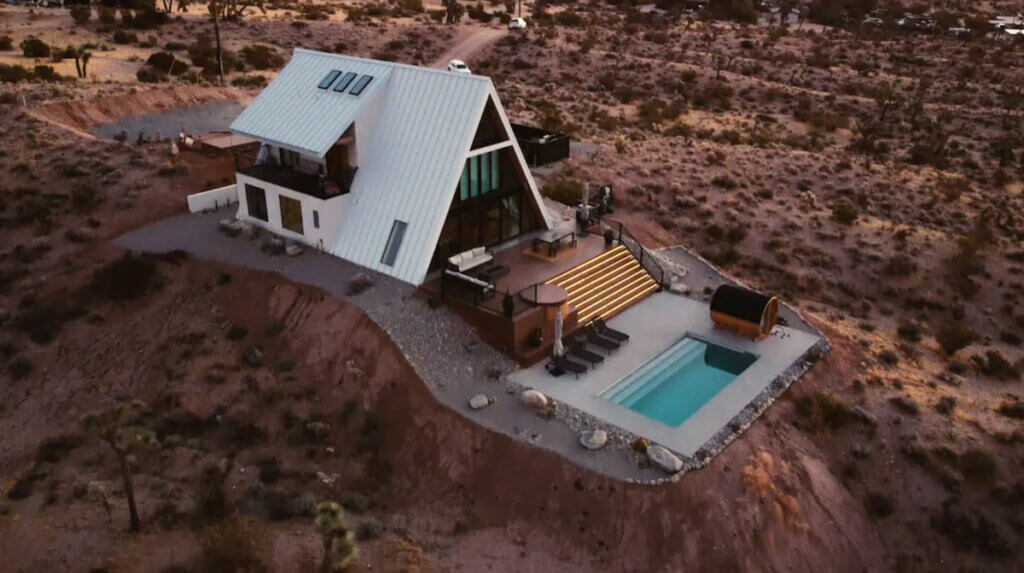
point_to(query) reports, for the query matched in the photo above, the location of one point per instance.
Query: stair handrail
(646, 259)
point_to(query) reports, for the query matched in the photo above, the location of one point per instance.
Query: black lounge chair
(607, 331)
(565, 365)
(595, 338)
(579, 350)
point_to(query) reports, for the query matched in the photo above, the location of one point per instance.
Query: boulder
(293, 250)
(360, 283)
(664, 459)
(479, 402)
(274, 246)
(533, 399)
(594, 439)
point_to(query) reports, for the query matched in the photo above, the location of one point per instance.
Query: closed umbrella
(559, 349)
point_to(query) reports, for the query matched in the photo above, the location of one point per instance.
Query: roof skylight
(329, 79)
(345, 81)
(361, 85)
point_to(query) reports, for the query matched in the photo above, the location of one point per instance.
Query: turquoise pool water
(676, 383)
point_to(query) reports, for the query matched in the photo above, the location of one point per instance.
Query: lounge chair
(595, 338)
(565, 365)
(579, 350)
(605, 330)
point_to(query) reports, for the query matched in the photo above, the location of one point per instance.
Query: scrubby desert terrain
(870, 176)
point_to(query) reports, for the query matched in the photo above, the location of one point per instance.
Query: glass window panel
(464, 183)
(485, 174)
(361, 85)
(329, 79)
(394, 243)
(474, 176)
(345, 81)
(495, 180)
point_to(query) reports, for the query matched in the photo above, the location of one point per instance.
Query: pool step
(644, 379)
(606, 284)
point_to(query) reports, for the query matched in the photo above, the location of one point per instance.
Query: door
(291, 214)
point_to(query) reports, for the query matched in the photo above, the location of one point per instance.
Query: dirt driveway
(469, 43)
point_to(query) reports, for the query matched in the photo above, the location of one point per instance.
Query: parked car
(458, 66)
(516, 24)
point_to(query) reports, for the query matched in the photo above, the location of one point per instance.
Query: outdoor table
(552, 238)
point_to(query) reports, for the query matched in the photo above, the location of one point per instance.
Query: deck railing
(647, 260)
(321, 187)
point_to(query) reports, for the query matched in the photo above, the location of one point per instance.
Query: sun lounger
(565, 365)
(605, 330)
(596, 339)
(578, 350)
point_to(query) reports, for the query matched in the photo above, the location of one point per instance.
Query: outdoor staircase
(606, 284)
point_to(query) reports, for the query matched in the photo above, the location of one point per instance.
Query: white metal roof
(293, 112)
(413, 132)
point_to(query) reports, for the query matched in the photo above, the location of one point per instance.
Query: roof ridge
(446, 73)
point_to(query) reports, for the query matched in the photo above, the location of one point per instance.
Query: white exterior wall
(330, 212)
(213, 199)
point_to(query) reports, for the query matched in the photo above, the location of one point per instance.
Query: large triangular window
(490, 129)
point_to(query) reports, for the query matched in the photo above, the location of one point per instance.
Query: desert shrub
(995, 365)
(33, 47)
(900, 265)
(369, 529)
(150, 75)
(106, 15)
(125, 278)
(565, 190)
(45, 73)
(844, 213)
(970, 530)
(41, 321)
(567, 18)
(230, 545)
(739, 10)
(211, 500)
(724, 182)
(822, 412)
(81, 13)
(19, 368)
(261, 57)
(249, 81)
(879, 505)
(953, 335)
(14, 73)
(55, 449)
(167, 63)
(125, 37)
(6, 43)
(203, 53)
(909, 331)
(977, 465)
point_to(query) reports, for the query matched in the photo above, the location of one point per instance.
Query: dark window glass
(394, 243)
(329, 79)
(345, 81)
(361, 85)
(256, 201)
(316, 219)
(289, 158)
(291, 214)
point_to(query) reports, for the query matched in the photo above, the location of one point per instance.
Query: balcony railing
(319, 186)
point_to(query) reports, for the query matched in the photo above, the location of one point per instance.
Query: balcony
(321, 187)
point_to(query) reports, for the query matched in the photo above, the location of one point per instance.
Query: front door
(291, 214)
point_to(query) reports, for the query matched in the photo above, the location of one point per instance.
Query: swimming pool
(676, 383)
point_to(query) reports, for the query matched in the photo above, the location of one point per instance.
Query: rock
(533, 399)
(862, 415)
(905, 404)
(80, 235)
(951, 378)
(679, 287)
(594, 439)
(479, 402)
(253, 355)
(664, 459)
(639, 445)
(228, 226)
(945, 405)
(293, 250)
(360, 283)
(274, 246)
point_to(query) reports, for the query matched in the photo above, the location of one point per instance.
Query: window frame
(394, 243)
(250, 191)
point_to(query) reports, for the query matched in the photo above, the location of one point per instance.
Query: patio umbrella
(559, 349)
(585, 205)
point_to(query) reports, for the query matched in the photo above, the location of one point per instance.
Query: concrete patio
(654, 325)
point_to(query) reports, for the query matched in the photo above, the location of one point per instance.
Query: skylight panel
(345, 81)
(329, 79)
(361, 85)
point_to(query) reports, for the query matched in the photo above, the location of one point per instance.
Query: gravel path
(443, 349)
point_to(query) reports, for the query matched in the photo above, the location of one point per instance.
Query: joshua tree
(337, 537)
(453, 11)
(215, 8)
(119, 427)
(82, 57)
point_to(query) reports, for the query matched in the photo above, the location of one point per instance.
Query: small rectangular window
(329, 79)
(256, 201)
(289, 158)
(344, 82)
(316, 219)
(495, 178)
(394, 243)
(361, 85)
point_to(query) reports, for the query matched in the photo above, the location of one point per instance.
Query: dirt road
(469, 42)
